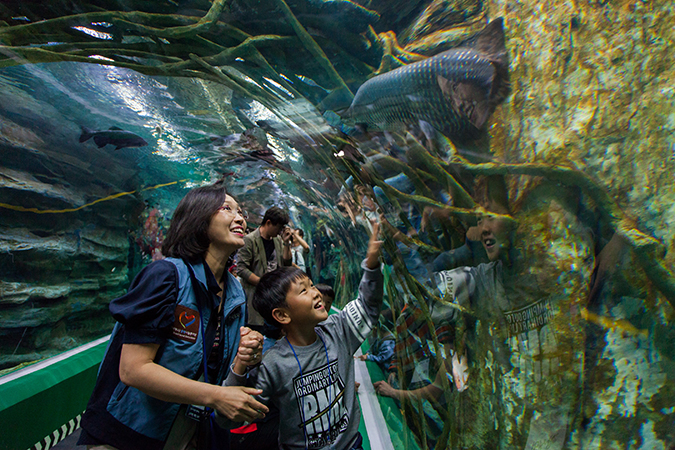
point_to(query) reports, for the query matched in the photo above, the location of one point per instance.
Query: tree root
(462, 213)
(393, 54)
(132, 20)
(311, 45)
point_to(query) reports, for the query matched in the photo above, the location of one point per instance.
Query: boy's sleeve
(234, 379)
(258, 378)
(456, 287)
(360, 315)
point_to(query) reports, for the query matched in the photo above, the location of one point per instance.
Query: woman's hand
(138, 369)
(238, 404)
(250, 350)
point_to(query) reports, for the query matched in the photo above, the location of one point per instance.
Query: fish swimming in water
(455, 91)
(115, 136)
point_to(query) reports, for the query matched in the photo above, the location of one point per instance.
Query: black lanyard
(200, 298)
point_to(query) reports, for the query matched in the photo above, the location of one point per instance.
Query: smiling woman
(178, 305)
(227, 230)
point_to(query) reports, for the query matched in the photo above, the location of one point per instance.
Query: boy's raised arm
(374, 248)
(371, 287)
(359, 316)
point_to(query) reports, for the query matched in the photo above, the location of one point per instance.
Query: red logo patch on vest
(185, 324)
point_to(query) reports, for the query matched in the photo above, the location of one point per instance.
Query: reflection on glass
(518, 156)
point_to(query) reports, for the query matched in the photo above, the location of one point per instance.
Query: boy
(309, 374)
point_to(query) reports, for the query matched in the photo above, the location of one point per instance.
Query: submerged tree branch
(176, 26)
(463, 213)
(311, 45)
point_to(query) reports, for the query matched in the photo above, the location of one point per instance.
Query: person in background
(265, 249)
(309, 374)
(382, 343)
(328, 295)
(181, 322)
(298, 249)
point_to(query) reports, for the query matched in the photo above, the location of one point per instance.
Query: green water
(527, 208)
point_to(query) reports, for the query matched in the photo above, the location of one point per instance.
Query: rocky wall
(592, 89)
(59, 265)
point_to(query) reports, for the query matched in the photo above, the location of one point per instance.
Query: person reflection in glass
(495, 235)
(517, 317)
(526, 340)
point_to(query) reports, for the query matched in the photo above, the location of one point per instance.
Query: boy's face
(494, 235)
(304, 304)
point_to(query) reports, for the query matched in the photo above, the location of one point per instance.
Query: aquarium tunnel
(514, 157)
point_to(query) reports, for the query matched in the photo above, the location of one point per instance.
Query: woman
(181, 315)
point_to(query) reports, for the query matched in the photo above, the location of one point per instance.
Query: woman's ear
(281, 316)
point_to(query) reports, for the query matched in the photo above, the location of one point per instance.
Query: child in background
(309, 374)
(298, 249)
(328, 295)
(381, 344)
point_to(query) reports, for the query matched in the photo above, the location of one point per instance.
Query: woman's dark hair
(187, 237)
(272, 289)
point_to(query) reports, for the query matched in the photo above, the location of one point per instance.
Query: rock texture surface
(59, 268)
(592, 89)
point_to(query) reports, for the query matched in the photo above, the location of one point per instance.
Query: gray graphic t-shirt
(313, 385)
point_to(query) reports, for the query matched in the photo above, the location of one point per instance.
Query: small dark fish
(115, 136)
(455, 91)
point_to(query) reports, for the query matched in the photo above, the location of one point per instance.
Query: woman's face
(228, 225)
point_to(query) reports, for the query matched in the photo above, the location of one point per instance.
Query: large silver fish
(454, 91)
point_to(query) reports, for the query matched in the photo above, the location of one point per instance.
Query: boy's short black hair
(272, 289)
(325, 290)
(275, 215)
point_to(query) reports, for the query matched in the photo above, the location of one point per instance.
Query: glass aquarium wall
(518, 155)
